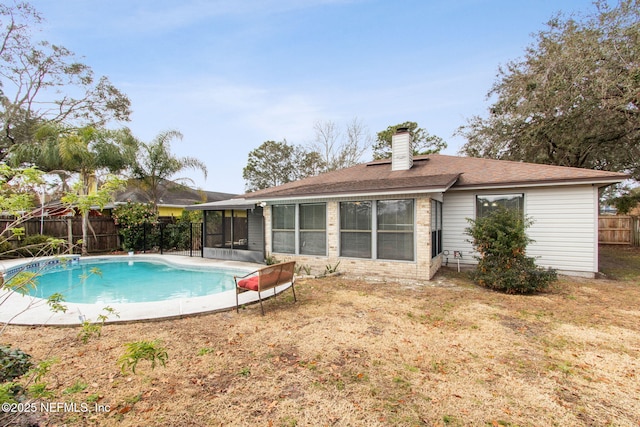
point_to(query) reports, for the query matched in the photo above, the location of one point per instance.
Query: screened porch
(233, 230)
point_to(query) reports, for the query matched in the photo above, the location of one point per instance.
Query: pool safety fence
(166, 236)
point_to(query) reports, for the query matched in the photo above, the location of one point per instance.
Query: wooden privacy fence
(103, 236)
(103, 233)
(619, 230)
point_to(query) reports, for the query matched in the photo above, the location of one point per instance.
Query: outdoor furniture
(266, 278)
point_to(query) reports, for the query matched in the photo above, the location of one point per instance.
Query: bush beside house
(501, 239)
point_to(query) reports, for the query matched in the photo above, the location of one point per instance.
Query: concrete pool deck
(18, 309)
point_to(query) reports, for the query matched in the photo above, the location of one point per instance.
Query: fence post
(202, 239)
(161, 238)
(190, 239)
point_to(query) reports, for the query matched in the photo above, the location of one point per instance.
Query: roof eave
(230, 204)
(354, 194)
(363, 193)
(585, 181)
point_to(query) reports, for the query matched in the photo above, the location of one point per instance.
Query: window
(395, 227)
(489, 203)
(355, 229)
(436, 228)
(300, 229)
(283, 229)
(313, 233)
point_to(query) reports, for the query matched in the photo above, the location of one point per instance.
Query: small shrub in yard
(38, 245)
(14, 363)
(143, 350)
(501, 239)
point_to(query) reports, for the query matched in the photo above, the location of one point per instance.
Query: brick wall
(423, 268)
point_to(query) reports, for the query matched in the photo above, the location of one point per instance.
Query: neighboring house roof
(434, 173)
(171, 194)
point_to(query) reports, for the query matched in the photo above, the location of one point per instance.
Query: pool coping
(20, 309)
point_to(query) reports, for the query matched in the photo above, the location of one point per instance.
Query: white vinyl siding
(564, 228)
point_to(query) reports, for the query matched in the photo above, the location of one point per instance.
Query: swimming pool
(21, 309)
(130, 281)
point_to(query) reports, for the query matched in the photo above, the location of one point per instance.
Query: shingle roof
(479, 172)
(435, 172)
(171, 194)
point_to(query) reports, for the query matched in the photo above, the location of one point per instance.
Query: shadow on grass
(620, 262)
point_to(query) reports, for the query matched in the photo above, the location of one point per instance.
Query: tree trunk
(85, 234)
(70, 234)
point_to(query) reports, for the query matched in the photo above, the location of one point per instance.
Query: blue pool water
(130, 281)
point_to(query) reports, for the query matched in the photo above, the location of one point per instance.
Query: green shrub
(6, 249)
(500, 240)
(36, 245)
(152, 351)
(8, 392)
(131, 218)
(14, 363)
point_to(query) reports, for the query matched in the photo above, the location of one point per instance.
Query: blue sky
(231, 74)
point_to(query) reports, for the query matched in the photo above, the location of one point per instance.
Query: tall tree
(573, 100)
(157, 164)
(85, 201)
(339, 149)
(67, 151)
(276, 163)
(41, 81)
(423, 142)
(85, 152)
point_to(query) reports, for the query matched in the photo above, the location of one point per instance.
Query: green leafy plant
(77, 387)
(130, 218)
(178, 236)
(329, 269)
(18, 233)
(500, 239)
(22, 282)
(39, 245)
(14, 363)
(205, 350)
(39, 391)
(152, 351)
(55, 303)
(42, 368)
(91, 329)
(270, 260)
(305, 268)
(8, 392)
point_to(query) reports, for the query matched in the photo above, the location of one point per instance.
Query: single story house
(173, 197)
(404, 217)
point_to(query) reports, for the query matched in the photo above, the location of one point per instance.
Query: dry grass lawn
(351, 353)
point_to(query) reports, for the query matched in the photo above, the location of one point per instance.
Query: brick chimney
(401, 150)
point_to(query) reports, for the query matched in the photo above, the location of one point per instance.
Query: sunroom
(381, 236)
(232, 230)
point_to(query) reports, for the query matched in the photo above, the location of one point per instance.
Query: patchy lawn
(620, 262)
(354, 353)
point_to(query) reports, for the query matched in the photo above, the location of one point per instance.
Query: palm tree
(85, 152)
(156, 164)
